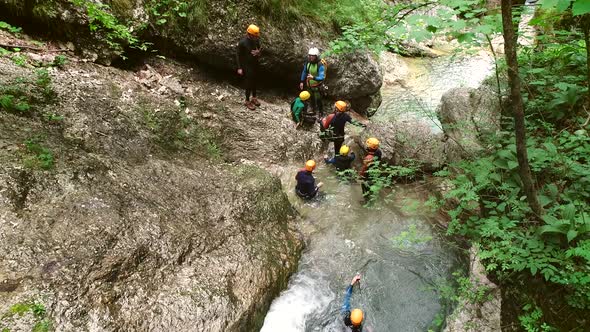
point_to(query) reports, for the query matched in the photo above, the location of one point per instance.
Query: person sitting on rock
(370, 161)
(342, 161)
(352, 319)
(335, 123)
(299, 107)
(312, 78)
(306, 187)
(248, 55)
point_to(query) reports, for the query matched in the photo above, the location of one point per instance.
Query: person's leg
(338, 145)
(253, 87)
(249, 89)
(320, 103)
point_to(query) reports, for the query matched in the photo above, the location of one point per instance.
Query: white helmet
(314, 51)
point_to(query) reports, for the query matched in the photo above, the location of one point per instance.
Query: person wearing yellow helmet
(370, 162)
(312, 78)
(352, 318)
(342, 161)
(299, 107)
(336, 122)
(248, 55)
(306, 187)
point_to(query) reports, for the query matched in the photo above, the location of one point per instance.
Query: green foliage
(42, 326)
(17, 310)
(38, 156)
(7, 27)
(20, 308)
(381, 176)
(578, 7)
(60, 61)
(101, 20)
(531, 320)
(18, 96)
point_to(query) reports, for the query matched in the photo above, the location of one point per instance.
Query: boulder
(466, 114)
(484, 316)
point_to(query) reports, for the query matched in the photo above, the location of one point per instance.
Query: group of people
(308, 108)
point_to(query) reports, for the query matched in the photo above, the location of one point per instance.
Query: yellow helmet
(253, 30)
(344, 150)
(356, 317)
(341, 106)
(304, 95)
(310, 165)
(373, 143)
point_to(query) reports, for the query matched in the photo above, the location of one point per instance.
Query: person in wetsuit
(343, 162)
(337, 123)
(248, 55)
(306, 187)
(374, 155)
(352, 319)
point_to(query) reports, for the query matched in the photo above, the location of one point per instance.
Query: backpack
(327, 121)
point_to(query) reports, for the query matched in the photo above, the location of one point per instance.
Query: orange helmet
(356, 317)
(310, 165)
(253, 30)
(372, 143)
(341, 106)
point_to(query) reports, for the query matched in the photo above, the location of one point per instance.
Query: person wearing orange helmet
(352, 318)
(306, 187)
(336, 121)
(248, 55)
(370, 161)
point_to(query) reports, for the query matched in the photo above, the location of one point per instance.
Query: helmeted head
(344, 150)
(372, 143)
(356, 317)
(313, 54)
(253, 31)
(304, 95)
(341, 106)
(310, 165)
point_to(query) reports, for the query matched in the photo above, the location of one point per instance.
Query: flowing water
(419, 93)
(402, 257)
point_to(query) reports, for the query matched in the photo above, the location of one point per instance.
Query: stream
(402, 257)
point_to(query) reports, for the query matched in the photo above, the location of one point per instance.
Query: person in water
(342, 162)
(352, 319)
(335, 123)
(306, 187)
(370, 162)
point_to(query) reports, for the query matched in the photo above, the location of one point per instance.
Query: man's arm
(239, 54)
(304, 73)
(348, 295)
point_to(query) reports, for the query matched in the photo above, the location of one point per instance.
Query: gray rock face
(466, 114)
(139, 226)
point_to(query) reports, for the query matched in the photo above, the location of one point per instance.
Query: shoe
(255, 102)
(250, 105)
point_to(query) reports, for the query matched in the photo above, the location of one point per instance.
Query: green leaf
(581, 7)
(512, 164)
(548, 4)
(569, 212)
(544, 200)
(571, 234)
(563, 5)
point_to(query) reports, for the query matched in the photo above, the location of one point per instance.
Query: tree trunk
(586, 28)
(517, 105)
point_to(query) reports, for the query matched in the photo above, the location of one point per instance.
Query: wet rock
(484, 316)
(394, 69)
(467, 114)
(355, 77)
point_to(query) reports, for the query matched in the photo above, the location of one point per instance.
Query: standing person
(306, 187)
(312, 78)
(352, 319)
(338, 122)
(374, 154)
(299, 107)
(248, 55)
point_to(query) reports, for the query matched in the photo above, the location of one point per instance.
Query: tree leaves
(581, 7)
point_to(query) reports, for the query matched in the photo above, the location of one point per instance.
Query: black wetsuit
(338, 123)
(249, 64)
(306, 187)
